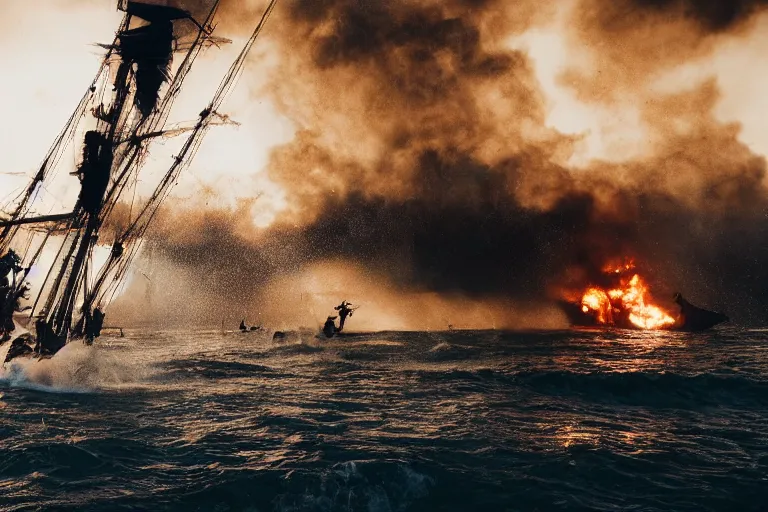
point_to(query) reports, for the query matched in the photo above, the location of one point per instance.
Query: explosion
(628, 304)
(484, 150)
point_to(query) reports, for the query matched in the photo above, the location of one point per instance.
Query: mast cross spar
(72, 305)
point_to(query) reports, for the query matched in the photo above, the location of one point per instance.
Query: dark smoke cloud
(423, 156)
(631, 41)
(710, 15)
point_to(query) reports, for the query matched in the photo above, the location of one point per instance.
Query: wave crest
(77, 368)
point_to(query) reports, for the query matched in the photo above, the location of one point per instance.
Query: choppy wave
(390, 422)
(653, 388)
(77, 368)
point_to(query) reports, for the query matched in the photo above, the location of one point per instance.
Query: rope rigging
(138, 228)
(129, 116)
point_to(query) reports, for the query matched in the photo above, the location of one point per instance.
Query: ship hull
(692, 318)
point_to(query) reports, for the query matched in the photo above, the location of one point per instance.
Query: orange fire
(629, 299)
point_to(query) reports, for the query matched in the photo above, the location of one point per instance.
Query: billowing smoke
(424, 163)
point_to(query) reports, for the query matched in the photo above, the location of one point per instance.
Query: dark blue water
(391, 422)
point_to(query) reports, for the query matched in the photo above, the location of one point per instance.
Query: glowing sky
(605, 92)
(47, 59)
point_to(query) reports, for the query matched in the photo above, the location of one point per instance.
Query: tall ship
(123, 111)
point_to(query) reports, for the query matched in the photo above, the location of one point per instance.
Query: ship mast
(131, 239)
(143, 56)
(60, 144)
(113, 155)
(60, 318)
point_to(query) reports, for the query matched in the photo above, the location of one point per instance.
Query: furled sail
(154, 10)
(115, 114)
(70, 303)
(149, 48)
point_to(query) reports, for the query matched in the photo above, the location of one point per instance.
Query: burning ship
(123, 111)
(627, 304)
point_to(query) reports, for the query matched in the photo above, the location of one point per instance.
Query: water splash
(77, 368)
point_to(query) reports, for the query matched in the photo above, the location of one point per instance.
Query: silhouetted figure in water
(329, 329)
(345, 309)
(243, 327)
(94, 322)
(10, 303)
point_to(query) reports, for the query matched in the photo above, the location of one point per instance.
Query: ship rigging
(125, 108)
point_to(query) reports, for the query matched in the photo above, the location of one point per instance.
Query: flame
(618, 268)
(598, 301)
(630, 298)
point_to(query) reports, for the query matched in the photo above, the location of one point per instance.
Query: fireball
(597, 300)
(629, 299)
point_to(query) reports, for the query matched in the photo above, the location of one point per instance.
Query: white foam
(77, 368)
(441, 347)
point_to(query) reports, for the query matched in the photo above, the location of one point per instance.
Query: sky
(468, 158)
(50, 52)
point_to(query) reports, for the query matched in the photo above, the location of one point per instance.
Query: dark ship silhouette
(691, 318)
(125, 108)
(697, 319)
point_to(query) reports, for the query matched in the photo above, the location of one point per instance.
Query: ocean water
(391, 421)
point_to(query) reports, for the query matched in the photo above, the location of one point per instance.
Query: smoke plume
(423, 161)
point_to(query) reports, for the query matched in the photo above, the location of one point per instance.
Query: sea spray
(565, 420)
(77, 368)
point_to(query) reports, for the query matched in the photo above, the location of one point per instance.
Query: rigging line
(191, 55)
(119, 184)
(32, 191)
(87, 98)
(88, 274)
(133, 200)
(48, 276)
(86, 269)
(121, 283)
(55, 148)
(160, 115)
(39, 250)
(234, 73)
(53, 196)
(224, 88)
(195, 139)
(51, 160)
(121, 268)
(28, 245)
(6, 200)
(29, 266)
